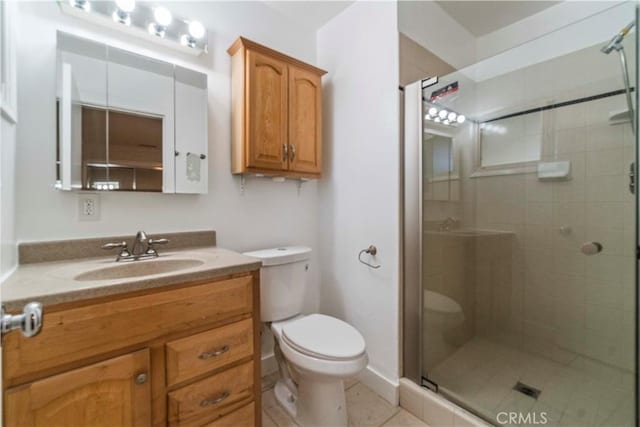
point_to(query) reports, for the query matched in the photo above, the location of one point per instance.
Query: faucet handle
(158, 241)
(115, 245)
(150, 246)
(124, 252)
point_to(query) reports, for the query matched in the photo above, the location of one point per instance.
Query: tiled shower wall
(562, 302)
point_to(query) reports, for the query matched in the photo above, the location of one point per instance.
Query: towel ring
(371, 250)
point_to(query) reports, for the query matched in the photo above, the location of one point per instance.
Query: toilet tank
(283, 281)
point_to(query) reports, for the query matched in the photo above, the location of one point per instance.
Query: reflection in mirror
(135, 151)
(441, 180)
(441, 153)
(82, 82)
(125, 120)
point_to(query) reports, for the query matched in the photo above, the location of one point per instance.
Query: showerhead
(615, 42)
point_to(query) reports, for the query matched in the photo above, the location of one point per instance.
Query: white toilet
(315, 352)
(442, 316)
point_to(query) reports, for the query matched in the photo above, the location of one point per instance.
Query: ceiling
(483, 17)
(310, 14)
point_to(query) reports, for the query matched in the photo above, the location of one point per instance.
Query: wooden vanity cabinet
(186, 355)
(276, 113)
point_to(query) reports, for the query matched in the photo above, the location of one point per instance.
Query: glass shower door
(529, 232)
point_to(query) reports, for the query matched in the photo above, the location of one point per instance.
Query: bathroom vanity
(177, 345)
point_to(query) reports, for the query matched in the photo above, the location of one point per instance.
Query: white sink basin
(138, 269)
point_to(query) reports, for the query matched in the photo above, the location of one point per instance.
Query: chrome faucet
(143, 247)
(138, 244)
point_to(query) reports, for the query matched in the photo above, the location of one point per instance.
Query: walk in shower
(520, 229)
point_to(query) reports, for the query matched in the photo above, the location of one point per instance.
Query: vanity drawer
(204, 352)
(243, 417)
(212, 397)
(75, 334)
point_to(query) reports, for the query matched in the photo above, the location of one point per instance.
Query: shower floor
(481, 375)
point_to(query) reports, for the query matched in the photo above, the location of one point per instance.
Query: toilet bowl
(441, 317)
(315, 352)
(321, 351)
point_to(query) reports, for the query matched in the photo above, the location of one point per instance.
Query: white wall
(426, 23)
(360, 189)
(267, 214)
(546, 21)
(8, 253)
(8, 118)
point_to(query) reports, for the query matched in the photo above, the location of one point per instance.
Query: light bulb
(196, 29)
(427, 117)
(162, 16)
(443, 114)
(126, 5)
(81, 4)
(452, 116)
(461, 119)
(437, 119)
(121, 14)
(433, 111)
(446, 122)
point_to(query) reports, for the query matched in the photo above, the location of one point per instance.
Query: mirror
(440, 166)
(128, 122)
(439, 152)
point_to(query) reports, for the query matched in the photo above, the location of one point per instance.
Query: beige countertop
(72, 280)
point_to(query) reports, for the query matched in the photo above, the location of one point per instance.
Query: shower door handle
(632, 178)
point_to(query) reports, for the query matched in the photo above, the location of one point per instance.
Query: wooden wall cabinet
(276, 113)
(186, 355)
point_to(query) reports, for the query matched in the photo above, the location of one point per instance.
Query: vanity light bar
(444, 116)
(155, 24)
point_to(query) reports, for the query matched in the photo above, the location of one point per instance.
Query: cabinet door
(267, 112)
(305, 121)
(108, 393)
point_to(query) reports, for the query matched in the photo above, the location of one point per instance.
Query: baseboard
(269, 364)
(383, 386)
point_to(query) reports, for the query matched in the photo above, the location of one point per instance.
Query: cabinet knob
(141, 378)
(285, 152)
(293, 152)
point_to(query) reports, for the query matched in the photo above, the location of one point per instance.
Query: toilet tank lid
(281, 255)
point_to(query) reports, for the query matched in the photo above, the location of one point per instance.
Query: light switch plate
(89, 206)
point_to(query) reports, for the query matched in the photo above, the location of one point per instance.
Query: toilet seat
(316, 354)
(440, 303)
(324, 337)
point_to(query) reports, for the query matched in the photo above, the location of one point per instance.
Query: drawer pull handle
(215, 353)
(215, 400)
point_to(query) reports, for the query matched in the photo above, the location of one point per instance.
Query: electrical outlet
(89, 207)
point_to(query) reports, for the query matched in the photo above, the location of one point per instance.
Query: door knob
(29, 322)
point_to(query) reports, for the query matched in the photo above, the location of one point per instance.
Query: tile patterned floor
(364, 407)
(582, 393)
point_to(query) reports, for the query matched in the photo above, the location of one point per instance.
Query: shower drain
(527, 389)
